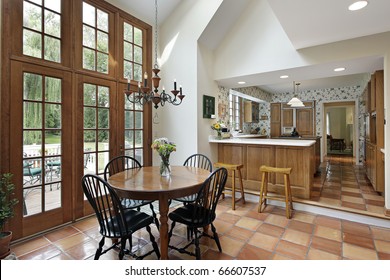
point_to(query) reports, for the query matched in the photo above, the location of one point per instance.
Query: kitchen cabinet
(372, 93)
(371, 163)
(251, 112)
(287, 116)
(275, 123)
(375, 139)
(304, 121)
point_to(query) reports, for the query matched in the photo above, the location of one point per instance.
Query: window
(42, 29)
(132, 52)
(235, 104)
(95, 39)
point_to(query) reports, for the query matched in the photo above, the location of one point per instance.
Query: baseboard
(387, 212)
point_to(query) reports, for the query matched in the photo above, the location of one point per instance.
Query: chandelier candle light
(145, 94)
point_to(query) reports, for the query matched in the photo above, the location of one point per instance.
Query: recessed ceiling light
(357, 5)
(339, 69)
(284, 76)
(241, 83)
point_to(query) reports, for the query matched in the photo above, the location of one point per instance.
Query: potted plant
(7, 203)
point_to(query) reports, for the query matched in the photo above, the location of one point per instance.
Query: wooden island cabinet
(300, 155)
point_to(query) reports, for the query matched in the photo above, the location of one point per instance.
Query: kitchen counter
(249, 136)
(299, 154)
(275, 142)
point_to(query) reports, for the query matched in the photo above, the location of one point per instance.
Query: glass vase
(165, 168)
(219, 135)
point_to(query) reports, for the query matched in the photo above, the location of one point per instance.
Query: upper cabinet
(275, 119)
(284, 118)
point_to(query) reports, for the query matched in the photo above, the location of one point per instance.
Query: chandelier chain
(155, 35)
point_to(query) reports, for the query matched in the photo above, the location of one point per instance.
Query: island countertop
(259, 141)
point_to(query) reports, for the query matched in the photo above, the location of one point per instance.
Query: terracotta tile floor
(246, 234)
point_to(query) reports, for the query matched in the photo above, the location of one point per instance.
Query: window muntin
(235, 112)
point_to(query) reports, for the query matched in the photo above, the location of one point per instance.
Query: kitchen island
(299, 154)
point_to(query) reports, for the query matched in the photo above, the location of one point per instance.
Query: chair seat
(134, 203)
(135, 220)
(185, 215)
(185, 199)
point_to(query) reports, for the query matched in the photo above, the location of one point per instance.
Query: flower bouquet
(164, 149)
(218, 127)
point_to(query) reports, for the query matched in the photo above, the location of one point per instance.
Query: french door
(41, 148)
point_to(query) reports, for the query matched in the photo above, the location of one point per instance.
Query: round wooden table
(147, 183)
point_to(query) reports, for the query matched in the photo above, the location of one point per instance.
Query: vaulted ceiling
(330, 21)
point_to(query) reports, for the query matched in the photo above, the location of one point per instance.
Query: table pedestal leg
(163, 207)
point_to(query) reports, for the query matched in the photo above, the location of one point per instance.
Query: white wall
(206, 86)
(179, 53)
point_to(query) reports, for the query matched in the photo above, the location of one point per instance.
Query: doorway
(340, 129)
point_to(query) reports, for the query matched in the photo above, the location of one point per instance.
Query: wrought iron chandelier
(144, 93)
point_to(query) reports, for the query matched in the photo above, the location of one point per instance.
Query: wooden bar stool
(287, 197)
(233, 168)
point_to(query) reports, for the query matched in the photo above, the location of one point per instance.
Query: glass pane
(129, 153)
(103, 140)
(32, 203)
(103, 97)
(137, 36)
(138, 139)
(32, 141)
(52, 116)
(52, 24)
(89, 141)
(53, 90)
(52, 196)
(138, 120)
(129, 120)
(89, 164)
(32, 16)
(53, 170)
(39, 2)
(139, 156)
(127, 51)
(53, 141)
(102, 62)
(128, 104)
(89, 118)
(52, 49)
(89, 36)
(138, 107)
(88, 14)
(102, 161)
(32, 115)
(137, 73)
(32, 43)
(128, 32)
(89, 94)
(129, 142)
(32, 87)
(103, 116)
(88, 59)
(54, 5)
(102, 41)
(128, 70)
(102, 20)
(137, 54)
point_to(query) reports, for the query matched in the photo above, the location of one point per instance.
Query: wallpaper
(319, 96)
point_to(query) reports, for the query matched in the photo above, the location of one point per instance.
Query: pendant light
(295, 101)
